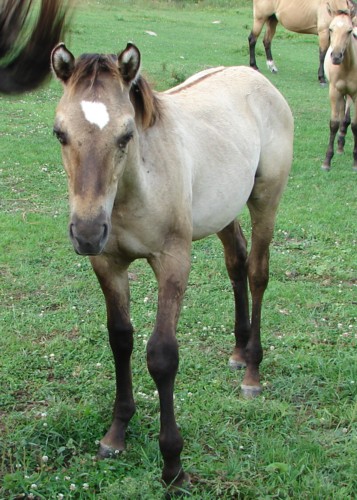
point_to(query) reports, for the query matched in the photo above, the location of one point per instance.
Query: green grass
(56, 372)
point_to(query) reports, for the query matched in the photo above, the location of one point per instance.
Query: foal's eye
(61, 136)
(123, 140)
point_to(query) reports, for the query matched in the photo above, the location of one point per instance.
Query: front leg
(334, 126)
(113, 280)
(171, 268)
(337, 104)
(354, 130)
(344, 126)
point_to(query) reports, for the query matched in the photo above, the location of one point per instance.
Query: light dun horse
(301, 16)
(26, 61)
(341, 71)
(150, 172)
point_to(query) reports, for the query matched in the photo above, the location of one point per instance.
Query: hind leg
(272, 23)
(343, 127)
(262, 206)
(252, 39)
(354, 130)
(324, 42)
(235, 253)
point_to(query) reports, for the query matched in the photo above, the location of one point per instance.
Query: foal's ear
(129, 63)
(353, 11)
(62, 62)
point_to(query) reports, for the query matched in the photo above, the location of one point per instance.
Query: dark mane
(88, 70)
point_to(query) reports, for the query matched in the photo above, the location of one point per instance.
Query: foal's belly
(298, 21)
(220, 206)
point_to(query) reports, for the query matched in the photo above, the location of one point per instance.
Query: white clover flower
(72, 487)
(85, 486)
(44, 459)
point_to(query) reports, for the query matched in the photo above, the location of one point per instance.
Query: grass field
(299, 439)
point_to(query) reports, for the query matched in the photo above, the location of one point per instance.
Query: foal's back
(235, 127)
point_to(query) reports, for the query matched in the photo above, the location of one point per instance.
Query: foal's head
(341, 31)
(103, 103)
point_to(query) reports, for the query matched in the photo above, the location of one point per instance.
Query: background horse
(300, 16)
(150, 172)
(26, 63)
(341, 71)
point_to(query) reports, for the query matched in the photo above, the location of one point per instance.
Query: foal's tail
(25, 59)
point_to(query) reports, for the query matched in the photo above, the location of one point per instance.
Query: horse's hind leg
(324, 42)
(272, 23)
(262, 207)
(354, 130)
(235, 253)
(252, 39)
(114, 284)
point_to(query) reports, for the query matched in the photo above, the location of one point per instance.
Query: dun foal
(341, 71)
(301, 16)
(150, 172)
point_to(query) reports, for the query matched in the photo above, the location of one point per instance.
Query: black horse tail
(25, 59)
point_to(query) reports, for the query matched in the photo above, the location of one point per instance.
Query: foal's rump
(244, 128)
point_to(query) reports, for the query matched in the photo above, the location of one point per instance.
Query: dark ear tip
(62, 62)
(131, 45)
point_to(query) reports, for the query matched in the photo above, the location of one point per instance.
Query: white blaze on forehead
(96, 113)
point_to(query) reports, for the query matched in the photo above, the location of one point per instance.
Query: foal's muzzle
(337, 58)
(89, 236)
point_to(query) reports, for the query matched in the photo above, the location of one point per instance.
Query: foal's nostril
(105, 232)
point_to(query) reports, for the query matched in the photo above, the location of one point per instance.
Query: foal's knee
(258, 272)
(162, 358)
(120, 337)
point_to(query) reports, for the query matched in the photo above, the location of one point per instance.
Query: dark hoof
(323, 84)
(178, 488)
(327, 168)
(107, 452)
(251, 391)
